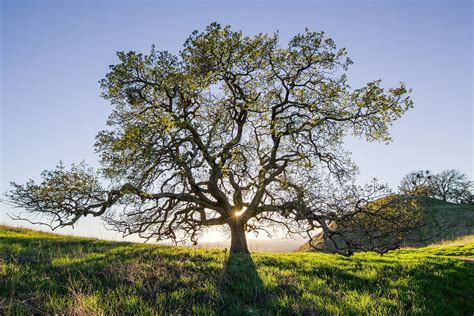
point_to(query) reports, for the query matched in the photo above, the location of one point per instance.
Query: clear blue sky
(54, 52)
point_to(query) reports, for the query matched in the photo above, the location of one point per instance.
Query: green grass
(53, 274)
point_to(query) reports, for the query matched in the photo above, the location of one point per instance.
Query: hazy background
(53, 53)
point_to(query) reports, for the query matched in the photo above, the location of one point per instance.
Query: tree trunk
(238, 241)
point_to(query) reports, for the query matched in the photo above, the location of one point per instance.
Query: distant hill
(442, 221)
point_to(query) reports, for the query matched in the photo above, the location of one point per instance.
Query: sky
(53, 53)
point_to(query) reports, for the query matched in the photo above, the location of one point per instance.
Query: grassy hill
(442, 221)
(45, 273)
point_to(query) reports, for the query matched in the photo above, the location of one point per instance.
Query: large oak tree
(233, 130)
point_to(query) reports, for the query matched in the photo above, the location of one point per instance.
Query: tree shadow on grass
(242, 288)
(177, 280)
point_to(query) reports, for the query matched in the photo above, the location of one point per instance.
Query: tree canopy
(449, 185)
(234, 130)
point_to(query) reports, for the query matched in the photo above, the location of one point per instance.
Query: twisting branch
(232, 125)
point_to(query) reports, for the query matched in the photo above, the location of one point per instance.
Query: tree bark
(238, 241)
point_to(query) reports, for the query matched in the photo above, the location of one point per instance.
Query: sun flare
(238, 213)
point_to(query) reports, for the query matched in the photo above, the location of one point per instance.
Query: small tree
(234, 131)
(417, 183)
(450, 185)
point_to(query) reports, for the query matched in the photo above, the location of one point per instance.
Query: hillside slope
(442, 221)
(44, 273)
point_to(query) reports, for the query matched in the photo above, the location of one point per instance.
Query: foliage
(376, 225)
(417, 183)
(53, 274)
(452, 185)
(449, 185)
(440, 221)
(232, 125)
(62, 193)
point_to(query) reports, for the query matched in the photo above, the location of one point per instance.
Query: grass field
(47, 274)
